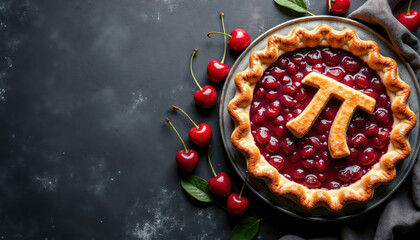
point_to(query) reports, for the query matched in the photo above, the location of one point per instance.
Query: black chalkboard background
(85, 86)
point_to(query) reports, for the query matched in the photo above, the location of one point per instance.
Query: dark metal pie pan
(258, 186)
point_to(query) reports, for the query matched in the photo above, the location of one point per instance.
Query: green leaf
(246, 229)
(296, 5)
(197, 188)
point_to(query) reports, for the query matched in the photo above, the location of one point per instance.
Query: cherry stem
(310, 13)
(329, 5)
(243, 186)
(192, 74)
(208, 158)
(180, 138)
(223, 26)
(408, 10)
(227, 35)
(177, 108)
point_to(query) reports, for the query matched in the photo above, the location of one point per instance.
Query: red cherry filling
(270, 83)
(350, 64)
(331, 57)
(361, 81)
(359, 140)
(314, 57)
(311, 181)
(277, 162)
(298, 60)
(308, 152)
(262, 136)
(371, 130)
(292, 68)
(289, 89)
(336, 73)
(273, 145)
(277, 73)
(287, 101)
(382, 116)
(279, 97)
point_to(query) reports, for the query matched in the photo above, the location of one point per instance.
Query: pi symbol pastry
(327, 88)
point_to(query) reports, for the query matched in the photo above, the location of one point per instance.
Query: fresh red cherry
(338, 7)
(220, 185)
(218, 71)
(200, 134)
(205, 97)
(239, 39)
(236, 204)
(186, 159)
(410, 19)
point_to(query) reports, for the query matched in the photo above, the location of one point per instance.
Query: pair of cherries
(239, 39)
(220, 185)
(200, 135)
(206, 97)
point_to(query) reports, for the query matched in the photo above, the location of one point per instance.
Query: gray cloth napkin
(402, 212)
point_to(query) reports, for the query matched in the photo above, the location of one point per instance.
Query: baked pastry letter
(328, 88)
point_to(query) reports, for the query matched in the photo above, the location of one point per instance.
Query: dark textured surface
(85, 87)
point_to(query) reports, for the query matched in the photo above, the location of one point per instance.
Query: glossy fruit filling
(279, 97)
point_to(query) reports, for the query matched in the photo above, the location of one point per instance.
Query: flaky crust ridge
(368, 51)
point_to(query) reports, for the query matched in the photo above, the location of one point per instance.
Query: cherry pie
(321, 116)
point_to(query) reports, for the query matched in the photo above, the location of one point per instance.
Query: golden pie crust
(398, 92)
